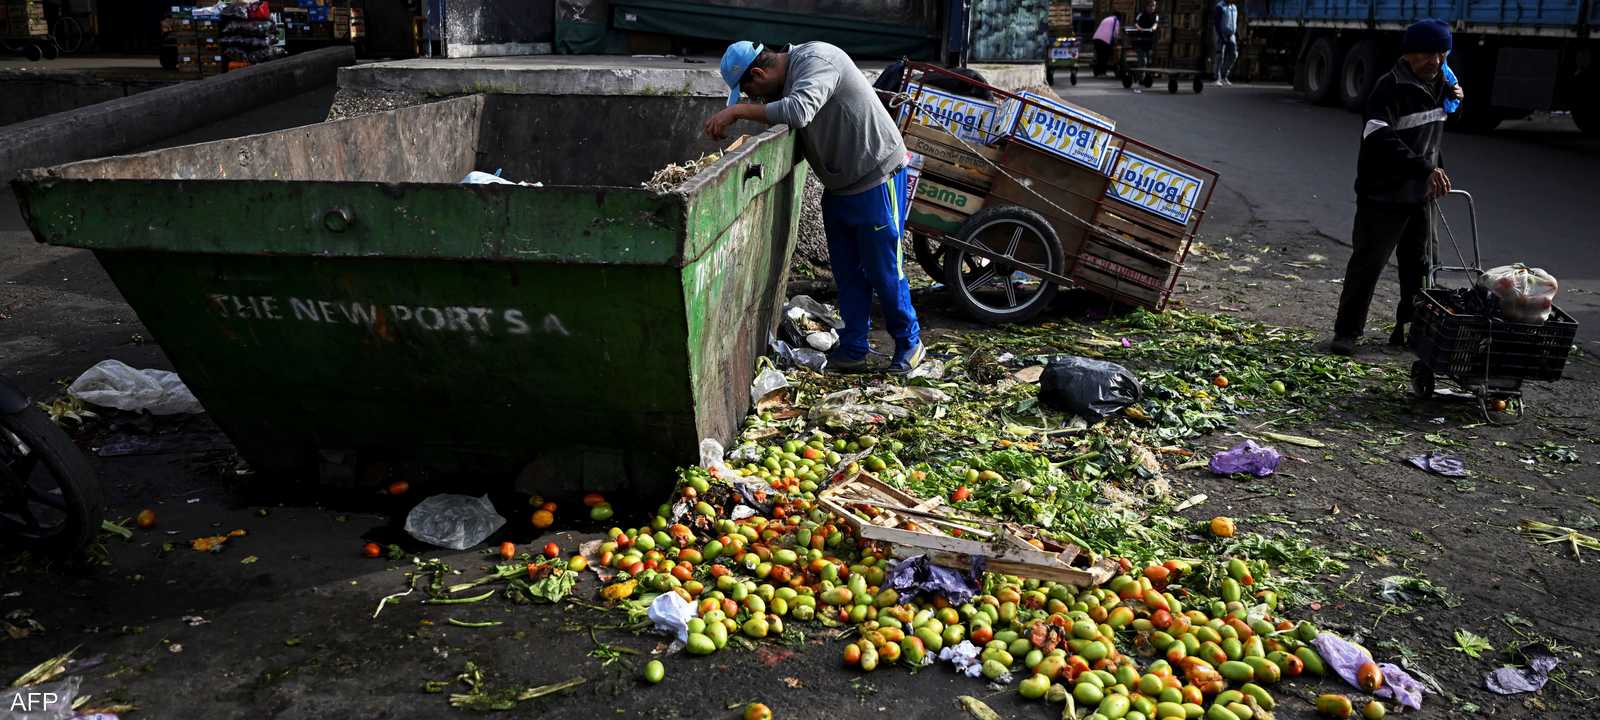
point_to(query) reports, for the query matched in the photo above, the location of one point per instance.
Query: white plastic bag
(1526, 294)
(453, 521)
(113, 384)
(671, 615)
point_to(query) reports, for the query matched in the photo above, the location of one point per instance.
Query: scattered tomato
(961, 494)
(508, 550)
(548, 507)
(371, 550)
(146, 519)
(593, 499)
(1220, 381)
(1498, 405)
(577, 563)
(757, 711)
(399, 487)
(543, 519)
(1278, 388)
(1369, 677)
(551, 550)
(1222, 527)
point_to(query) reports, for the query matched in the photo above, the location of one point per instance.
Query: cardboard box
(967, 118)
(1063, 130)
(1154, 187)
(189, 64)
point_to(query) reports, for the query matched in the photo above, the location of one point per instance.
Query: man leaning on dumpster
(1399, 173)
(855, 149)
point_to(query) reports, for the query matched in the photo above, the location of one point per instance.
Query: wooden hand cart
(1015, 198)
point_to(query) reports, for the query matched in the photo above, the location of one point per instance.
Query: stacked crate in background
(23, 18)
(358, 23)
(1181, 41)
(208, 34)
(179, 26)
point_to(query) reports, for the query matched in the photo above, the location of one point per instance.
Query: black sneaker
(1345, 346)
(1398, 337)
(838, 362)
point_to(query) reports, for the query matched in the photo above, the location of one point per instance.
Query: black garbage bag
(1090, 389)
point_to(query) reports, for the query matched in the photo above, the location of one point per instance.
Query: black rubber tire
(1358, 74)
(50, 50)
(1320, 71)
(1043, 250)
(1199, 85)
(1422, 380)
(33, 53)
(1127, 79)
(81, 498)
(1148, 80)
(1172, 84)
(929, 255)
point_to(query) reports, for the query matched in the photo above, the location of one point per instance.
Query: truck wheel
(1003, 291)
(1172, 84)
(1320, 72)
(1359, 74)
(1586, 113)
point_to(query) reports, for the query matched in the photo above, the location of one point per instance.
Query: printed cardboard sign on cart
(967, 118)
(1068, 132)
(1153, 187)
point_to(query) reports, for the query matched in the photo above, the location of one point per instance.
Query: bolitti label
(967, 118)
(1156, 188)
(1060, 130)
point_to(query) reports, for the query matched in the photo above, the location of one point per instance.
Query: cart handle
(1472, 227)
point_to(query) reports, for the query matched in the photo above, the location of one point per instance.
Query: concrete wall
(31, 95)
(118, 125)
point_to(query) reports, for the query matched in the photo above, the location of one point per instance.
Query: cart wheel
(1421, 380)
(1001, 291)
(1148, 80)
(1074, 76)
(1049, 74)
(32, 52)
(51, 50)
(929, 254)
(1172, 84)
(1198, 85)
(1127, 79)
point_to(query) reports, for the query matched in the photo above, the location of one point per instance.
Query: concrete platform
(586, 75)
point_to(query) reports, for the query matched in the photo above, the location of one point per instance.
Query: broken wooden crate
(949, 537)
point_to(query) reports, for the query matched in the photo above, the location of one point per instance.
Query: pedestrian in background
(1225, 20)
(1105, 37)
(1399, 173)
(1144, 32)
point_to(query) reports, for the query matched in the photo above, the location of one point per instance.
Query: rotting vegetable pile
(1198, 622)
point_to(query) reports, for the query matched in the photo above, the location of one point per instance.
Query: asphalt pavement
(1293, 166)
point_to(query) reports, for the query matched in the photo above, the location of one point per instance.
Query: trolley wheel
(1172, 84)
(33, 52)
(929, 254)
(1003, 291)
(51, 50)
(1421, 380)
(1148, 80)
(1127, 79)
(1049, 74)
(1199, 85)
(1074, 76)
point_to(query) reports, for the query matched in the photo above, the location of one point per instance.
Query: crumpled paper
(671, 615)
(1439, 463)
(1345, 658)
(965, 659)
(1510, 681)
(920, 574)
(1246, 457)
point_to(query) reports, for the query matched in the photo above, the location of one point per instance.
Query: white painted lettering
(269, 308)
(363, 313)
(457, 318)
(422, 318)
(304, 309)
(401, 313)
(552, 325)
(240, 308)
(219, 303)
(327, 314)
(518, 326)
(482, 316)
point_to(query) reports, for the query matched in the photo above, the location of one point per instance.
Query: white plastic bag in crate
(1526, 294)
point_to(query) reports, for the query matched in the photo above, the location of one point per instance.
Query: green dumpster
(335, 298)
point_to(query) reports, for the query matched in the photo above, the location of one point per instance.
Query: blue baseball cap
(735, 61)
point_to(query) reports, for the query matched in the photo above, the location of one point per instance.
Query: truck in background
(1513, 57)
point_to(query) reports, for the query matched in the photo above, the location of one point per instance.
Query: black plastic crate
(1468, 346)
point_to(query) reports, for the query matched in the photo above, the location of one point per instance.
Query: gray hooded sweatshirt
(852, 144)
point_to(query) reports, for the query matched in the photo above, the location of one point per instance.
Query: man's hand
(1458, 92)
(717, 125)
(1438, 184)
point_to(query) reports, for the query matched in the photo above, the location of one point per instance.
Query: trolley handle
(1471, 272)
(1472, 227)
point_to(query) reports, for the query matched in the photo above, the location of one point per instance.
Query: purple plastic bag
(1345, 658)
(1510, 681)
(918, 574)
(1246, 457)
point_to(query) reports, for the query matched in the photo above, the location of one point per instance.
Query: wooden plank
(1163, 241)
(948, 196)
(1091, 277)
(972, 162)
(939, 136)
(933, 219)
(934, 167)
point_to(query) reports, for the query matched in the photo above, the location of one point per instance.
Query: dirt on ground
(284, 621)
